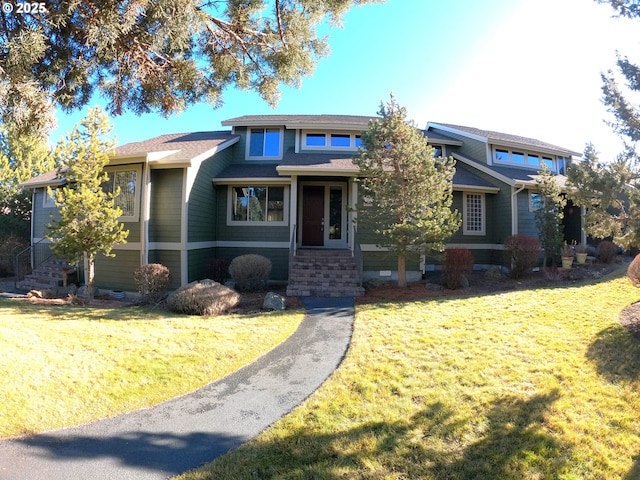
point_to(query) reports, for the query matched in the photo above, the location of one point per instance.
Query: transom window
(524, 159)
(265, 142)
(257, 204)
(473, 214)
(328, 140)
(127, 180)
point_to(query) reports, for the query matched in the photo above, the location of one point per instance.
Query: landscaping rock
(374, 283)
(434, 286)
(494, 272)
(464, 281)
(82, 291)
(273, 301)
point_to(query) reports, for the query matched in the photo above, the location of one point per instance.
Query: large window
(257, 205)
(473, 214)
(265, 142)
(524, 159)
(331, 141)
(127, 181)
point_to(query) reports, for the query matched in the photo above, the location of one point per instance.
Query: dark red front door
(313, 215)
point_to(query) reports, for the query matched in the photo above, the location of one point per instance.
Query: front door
(313, 215)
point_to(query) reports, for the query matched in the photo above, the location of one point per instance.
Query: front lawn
(64, 365)
(528, 384)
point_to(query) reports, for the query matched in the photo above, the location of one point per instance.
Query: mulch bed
(479, 283)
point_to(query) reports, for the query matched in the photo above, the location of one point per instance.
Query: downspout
(514, 208)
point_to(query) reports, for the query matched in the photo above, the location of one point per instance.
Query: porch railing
(292, 249)
(357, 253)
(31, 257)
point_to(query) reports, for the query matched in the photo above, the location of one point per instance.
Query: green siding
(171, 260)
(279, 258)
(116, 273)
(166, 205)
(198, 263)
(202, 198)
(471, 148)
(240, 148)
(526, 219)
(41, 215)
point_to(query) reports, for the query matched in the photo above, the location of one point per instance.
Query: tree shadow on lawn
(616, 354)
(424, 446)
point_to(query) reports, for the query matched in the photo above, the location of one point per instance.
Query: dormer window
(523, 159)
(265, 143)
(331, 141)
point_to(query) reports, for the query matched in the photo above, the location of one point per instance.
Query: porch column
(352, 213)
(293, 206)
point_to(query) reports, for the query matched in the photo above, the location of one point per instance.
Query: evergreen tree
(88, 218)
(21, 158)
(154, 55)
(412, 190)
(549, 214)
(611, 190)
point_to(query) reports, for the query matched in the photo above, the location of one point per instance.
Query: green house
(284, 186)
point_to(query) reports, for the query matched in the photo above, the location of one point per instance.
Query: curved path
(186, 432)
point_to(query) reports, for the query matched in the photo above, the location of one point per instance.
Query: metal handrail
(31, 258)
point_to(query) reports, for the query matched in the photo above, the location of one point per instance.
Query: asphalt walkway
(189, 431)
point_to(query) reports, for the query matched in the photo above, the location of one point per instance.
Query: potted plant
(567, 255)
(581, 253)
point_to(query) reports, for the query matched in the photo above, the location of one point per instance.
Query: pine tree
(412, 191)
(549, 214)
(88, 217)
(21, 158)
(611, 189)
(155, 55)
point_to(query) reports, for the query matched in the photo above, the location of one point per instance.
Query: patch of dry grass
(64, 365)
(530, 384)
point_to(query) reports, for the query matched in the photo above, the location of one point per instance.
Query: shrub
(458, 262)
(633, 272)
(152, 281)
(203, 298)
(522, 253)
(217, 269)
(607, 251)
(250, 272)
(9, 246)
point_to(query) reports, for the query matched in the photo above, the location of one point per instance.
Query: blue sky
(525, 67)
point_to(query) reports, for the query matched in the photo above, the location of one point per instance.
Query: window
(327, 140)
(535, 201)
(437, 150)
(49, 200)
(128, 182)
(257, 205)
(525, 159)
(473, 214)
(265, 142)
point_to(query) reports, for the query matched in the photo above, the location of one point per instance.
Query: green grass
(64, 365)
(535, 384)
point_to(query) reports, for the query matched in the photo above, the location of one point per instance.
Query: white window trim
(136, 206)
(248, 223)
(483, 205)
(48, 201)
(327, 133)
(510, 150)
(248, 144)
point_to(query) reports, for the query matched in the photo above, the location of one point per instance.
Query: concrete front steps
(47, 275)
(324, 273)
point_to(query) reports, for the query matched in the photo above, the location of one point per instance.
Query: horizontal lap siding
(166, 205)
(202, 198)
(526, 219)
(198, 263)
(41, 214)
(171, 260)
(116, 273)
(279, 258)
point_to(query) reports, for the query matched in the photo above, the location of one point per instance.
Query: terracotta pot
(581, 257)
(567, 262)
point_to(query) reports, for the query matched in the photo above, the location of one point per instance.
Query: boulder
(273, 301)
